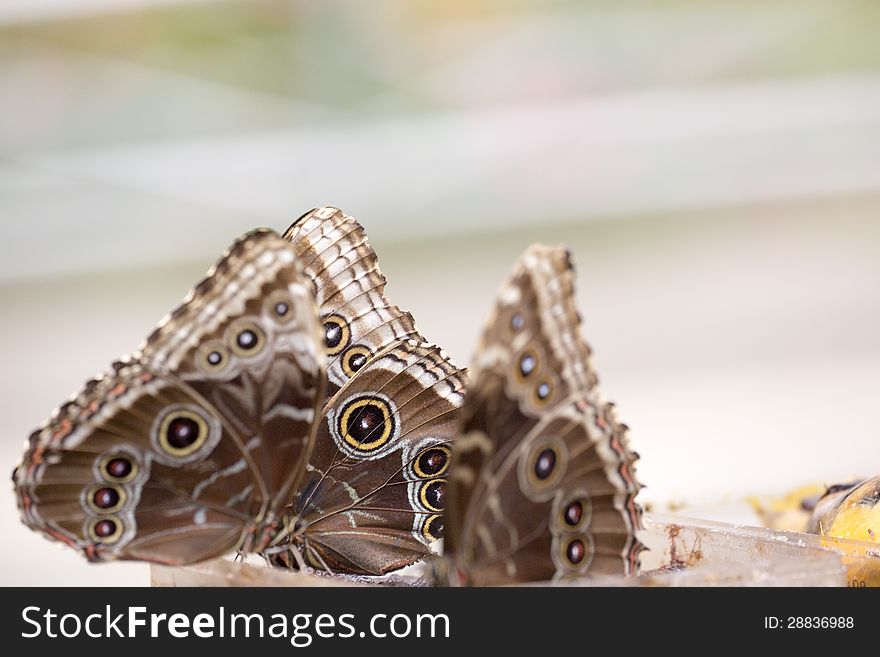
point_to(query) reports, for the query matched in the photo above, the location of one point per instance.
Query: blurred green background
(714, 165)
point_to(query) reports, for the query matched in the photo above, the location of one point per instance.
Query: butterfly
(542, 481)
(285, 407)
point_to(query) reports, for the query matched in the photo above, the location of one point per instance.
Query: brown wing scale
(357, 318)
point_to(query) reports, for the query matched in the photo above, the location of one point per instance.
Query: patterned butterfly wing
(376, 488)
(358, 320)
(185, 450)
(542, 481)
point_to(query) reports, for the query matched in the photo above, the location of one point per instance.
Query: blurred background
(715, 167)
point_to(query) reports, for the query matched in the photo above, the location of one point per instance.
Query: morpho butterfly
(285, 408)
(541, 480)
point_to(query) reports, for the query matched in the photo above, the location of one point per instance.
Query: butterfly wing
(358, 320)
(176, 456)
(542, 481)
(100, 478)
(365, 507)
(376, 488)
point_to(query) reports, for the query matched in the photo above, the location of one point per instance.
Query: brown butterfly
(542, 482)
(231, 429)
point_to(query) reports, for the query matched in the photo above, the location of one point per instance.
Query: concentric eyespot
(574, 551)
(526, 364)
(573, 514)
(542, 467)
(354, 359)
(545, 463)
(543, 392)
(105, 530)
(431, 462)
(279, 306)
(336, 334)
(432, 495)
(212, 356)
(517, 322)
(117, 468)
(366, 424)
(246, 339)
(432, 528)
(106, 498)
(182, 432)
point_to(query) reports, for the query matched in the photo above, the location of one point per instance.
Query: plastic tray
(681, 552)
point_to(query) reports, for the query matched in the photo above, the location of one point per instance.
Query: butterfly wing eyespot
(545, 463)
(572, 513)
(117, 468)
(337, 334)
(105, 498)
(354, 359)
(106, 529)
(517, 322)
(526, 365)
(432, 495)
(573, 553)
(432, 528)
(431, 462)
(542, 393)
(246, 339)
(183, 430)
(366, 424)
(542, 467)
(213, 357)
(280, 307)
